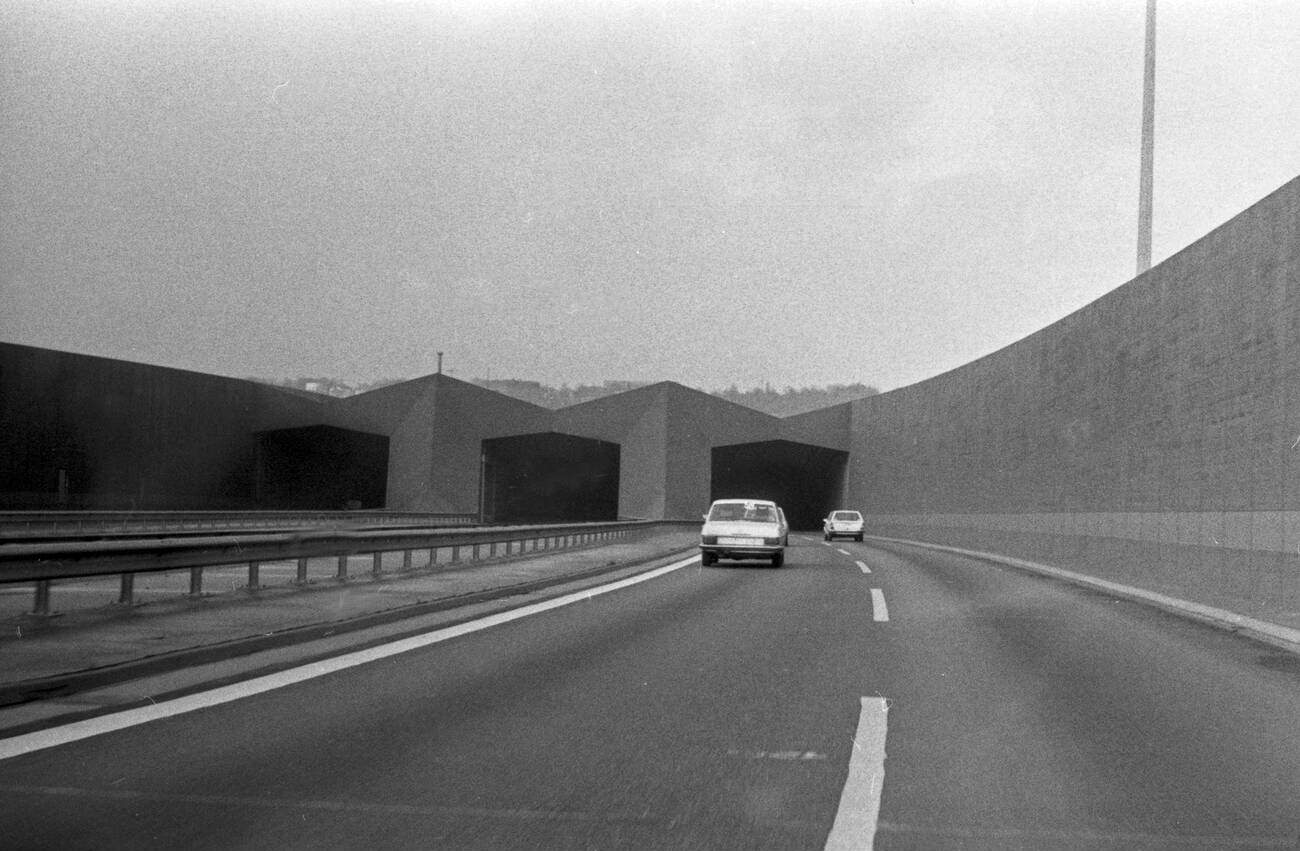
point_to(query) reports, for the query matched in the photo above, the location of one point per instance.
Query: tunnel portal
(320, 468)
(807, 481)
(549, 478)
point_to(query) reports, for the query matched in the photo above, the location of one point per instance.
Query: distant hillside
(792, 401)
(781, 403)
(555, 397)
(337, 387)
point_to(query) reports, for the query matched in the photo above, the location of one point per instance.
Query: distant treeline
(328, 386)
(791, 400)
(769, 400)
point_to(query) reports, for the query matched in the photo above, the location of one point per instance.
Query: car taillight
(772, 541)
(708, 539)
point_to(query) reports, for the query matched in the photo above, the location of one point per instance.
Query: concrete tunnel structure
(1162, 416)
(97, 433)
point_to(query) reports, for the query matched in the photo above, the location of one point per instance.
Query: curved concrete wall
(1166, 413)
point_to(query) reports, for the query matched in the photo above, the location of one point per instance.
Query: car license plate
(741, 542)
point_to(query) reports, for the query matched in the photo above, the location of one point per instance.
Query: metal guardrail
(50, 522)
(46, 563)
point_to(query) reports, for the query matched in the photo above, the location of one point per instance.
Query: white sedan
(742, 529)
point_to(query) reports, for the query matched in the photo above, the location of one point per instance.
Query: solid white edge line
(864, 567)
(879, 612)
(1276, 635)
(854, 828)
(42, 739)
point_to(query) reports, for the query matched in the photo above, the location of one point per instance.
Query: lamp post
(1148, 143)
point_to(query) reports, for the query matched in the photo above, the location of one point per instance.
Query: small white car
(843, 523)
(743, 529)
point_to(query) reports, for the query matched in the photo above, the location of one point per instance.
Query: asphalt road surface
(727, 707)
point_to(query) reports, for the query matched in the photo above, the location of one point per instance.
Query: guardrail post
(433, 556)
(302, 572)
(254, 569)
(126, 591)
(196, 581)
(376, 564)
(406, 560)
(474, 557)
(41, 603)
(342, 574)
(455, 554)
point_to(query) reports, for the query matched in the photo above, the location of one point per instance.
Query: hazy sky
(571, 192)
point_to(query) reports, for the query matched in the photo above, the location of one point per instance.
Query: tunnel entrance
(806, 481)
(320, 468)
(549, 478)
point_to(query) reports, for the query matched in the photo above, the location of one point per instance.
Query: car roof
(743, 502)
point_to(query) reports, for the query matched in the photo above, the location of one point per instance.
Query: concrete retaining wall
(1159, 425)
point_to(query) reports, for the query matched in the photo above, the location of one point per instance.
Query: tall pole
(1148, 143)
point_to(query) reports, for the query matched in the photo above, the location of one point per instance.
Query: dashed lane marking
(843, 552)
(855, 819)
(879, 612)
(864, 567)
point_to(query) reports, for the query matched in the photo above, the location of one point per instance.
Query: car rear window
(846, 515)
(740, 511)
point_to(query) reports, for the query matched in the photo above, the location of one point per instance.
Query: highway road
(736, 706)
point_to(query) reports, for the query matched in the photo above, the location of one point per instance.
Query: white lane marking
(864, 567)
(78, 730)
(879, 612)
(843, 552)
(855, 820)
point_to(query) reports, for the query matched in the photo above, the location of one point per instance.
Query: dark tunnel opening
(549, 478)
(320, 468)
(806, 481)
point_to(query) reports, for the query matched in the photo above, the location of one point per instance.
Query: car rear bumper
(720, 551)
(843, 533)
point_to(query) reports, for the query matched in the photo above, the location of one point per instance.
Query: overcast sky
(572, 192)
